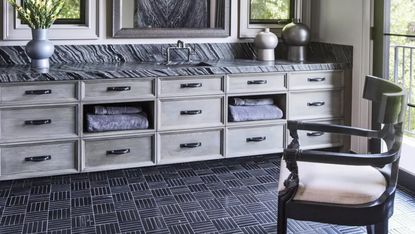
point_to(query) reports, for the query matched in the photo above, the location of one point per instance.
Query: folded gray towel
(102, 123)
(252, 113)
(252, 102)
(116, 110)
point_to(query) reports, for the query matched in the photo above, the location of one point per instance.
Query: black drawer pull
(191, 145)
(316, 103)
(256, 82)
(38, 158)
(256, 139)
(191, 85)
(316, 79)
(315, 134)
(191, 112)
(119, 89)
(38, 122)
(118, 152)
(38, 92)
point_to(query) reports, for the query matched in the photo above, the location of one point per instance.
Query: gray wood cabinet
(43, 123)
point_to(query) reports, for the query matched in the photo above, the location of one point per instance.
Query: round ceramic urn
(265, 44)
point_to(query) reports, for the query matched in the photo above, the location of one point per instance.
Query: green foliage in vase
(38, 14)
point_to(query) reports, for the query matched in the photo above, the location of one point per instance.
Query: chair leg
(282, 217)
(379, 228)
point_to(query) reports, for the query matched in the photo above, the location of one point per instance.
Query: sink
(185, 64)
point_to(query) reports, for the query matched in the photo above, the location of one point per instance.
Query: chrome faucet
(180, 46)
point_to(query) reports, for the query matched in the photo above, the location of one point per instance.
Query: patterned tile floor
(227, 196)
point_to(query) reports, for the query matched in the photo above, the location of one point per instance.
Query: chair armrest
(375, 160)
(293, 126)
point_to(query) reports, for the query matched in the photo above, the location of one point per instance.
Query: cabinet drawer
(190, 146)
(255, 140)
(189, 86)
(125, 89)
(195, 113)
(117, 153)
(38, 122)
(315, 80)
(314, 140)
(39, 159)
(260, 82)
(39, 93)
(322, 104)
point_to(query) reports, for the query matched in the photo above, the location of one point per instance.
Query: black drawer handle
(256, 139)
(38, 122)
(119, 89)
(118, 152)
(191, 85)
(191, 112)
(316, 79)
(316, 103)
(38, 158)
(315, 134)
(191, 145)
(256, 82)
(38, 92)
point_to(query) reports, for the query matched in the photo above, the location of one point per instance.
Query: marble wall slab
(171, 14)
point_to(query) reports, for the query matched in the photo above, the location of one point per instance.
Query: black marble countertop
(62, 72)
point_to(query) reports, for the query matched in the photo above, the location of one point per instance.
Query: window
(255, 15)
(271, 11)
(73, 12)
(78, 20)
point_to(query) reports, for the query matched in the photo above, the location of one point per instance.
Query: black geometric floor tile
(181, 229)
(175, 219)
(35, 227)
(224, 196)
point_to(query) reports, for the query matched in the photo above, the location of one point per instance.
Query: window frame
(14, 30)
(301, 10)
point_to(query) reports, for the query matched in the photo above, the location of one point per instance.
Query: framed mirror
(255, 15)
(171, 18)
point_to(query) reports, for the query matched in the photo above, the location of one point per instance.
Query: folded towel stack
(116, 119)
(253, 109)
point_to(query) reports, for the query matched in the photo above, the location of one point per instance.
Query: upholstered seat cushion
(340, 184)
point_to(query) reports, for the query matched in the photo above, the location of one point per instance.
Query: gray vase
(265, 44)
(296, 36)
(40, 49)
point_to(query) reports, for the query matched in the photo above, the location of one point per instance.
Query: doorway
(394, 59)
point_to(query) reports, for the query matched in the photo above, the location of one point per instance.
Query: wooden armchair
(343, 188)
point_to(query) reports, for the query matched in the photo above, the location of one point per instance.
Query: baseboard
(406, 180)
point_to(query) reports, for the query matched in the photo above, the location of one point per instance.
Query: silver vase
(40, 49)
(296, 36)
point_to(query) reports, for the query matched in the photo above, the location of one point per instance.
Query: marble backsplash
(72, 54)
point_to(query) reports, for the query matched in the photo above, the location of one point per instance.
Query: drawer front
(126, 151)
(257, 83)
(38, 123)
(195, 113)
(310, 139)
(39, 93)
(39, 158)
(255, 140)
(309, 105)
(188, 86)
(187, 146)
(315, 80)
(140, 88)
